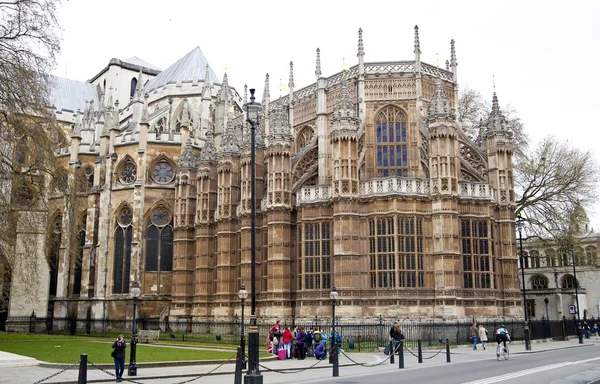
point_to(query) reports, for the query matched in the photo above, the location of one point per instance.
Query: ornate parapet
(394, 186)
(313, 194)
(479, 191)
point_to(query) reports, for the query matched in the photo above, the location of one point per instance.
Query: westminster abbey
(364, 181)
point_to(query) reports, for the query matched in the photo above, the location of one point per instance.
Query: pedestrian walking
(596, 330)
(483, 335)
(118, 355)
(287, 342)
(474, 335)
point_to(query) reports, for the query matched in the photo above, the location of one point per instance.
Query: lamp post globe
(520, 226)
(135, 293)
(253, 375)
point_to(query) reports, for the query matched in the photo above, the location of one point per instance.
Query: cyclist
(502, 336)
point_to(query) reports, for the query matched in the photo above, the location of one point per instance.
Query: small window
(133, 87)
(163, 172)
(128, 173)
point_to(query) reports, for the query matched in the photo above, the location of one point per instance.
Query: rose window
(163, 172)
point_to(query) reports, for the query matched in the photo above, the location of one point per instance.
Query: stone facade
(364, 181)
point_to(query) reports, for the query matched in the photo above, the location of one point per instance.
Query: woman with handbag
(118, 355)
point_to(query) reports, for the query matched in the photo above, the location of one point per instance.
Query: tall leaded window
(54, 248)
(410, 248)
(476, 254)
(568, 282)
(317, 256)
(391, 135)
(159, 241)
(122, 256)
(77, 263)
(382, 253)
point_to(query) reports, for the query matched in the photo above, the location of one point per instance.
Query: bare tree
(29, 136)
(554, 184)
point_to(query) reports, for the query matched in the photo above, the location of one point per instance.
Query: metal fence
(365, 336)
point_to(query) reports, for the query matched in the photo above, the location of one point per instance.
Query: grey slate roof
(141, 63)
(189, 69)
(70, 95)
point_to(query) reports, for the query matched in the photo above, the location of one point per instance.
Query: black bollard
(392, 352)
(447, 351)
(336, 360)
(82, 379)
(401, 355)
(237, 379)
(419, 351)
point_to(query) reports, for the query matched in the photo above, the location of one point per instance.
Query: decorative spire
(345, 108)
(139, 88)
(281, 125)
(439, 102)
(224, 92)
(453, 62)
(188, 159)
(266, 91)
(291, 83)
(361, 48)
(417, 43)
(229, 142)
(77, 126)
(207, 75)
(208, 155)
(145, 112)
(447, 65)
(245, 93)
(496, 122)
(318, 68)
(109, 102)
(89, 124)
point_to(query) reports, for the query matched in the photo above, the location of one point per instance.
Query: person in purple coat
(300, 340)
(320, 351)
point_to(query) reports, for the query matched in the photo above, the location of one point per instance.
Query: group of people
(480, 334)
(298, 342)
(588, 331)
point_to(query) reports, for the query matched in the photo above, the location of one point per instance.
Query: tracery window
(382, 253)
(77, 263)
(477, 270)
(396, 252)
(54, 248)
(535, 259)
(591, 255)
(163, 172)
(539, 282)
(568, 282)
(391, 135)
(304, 137)
(159, 241)
(316, 248)
(160, 126)
(122, 255)
(128, 172)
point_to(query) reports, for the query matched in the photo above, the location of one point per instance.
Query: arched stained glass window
(122, 256)
(54, 247)
(159, 241)
(128, 173)
(77, 263)
(391, 136)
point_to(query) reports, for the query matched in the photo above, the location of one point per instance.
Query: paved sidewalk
(275, 371)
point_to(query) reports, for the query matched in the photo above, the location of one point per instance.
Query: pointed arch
(538, 282)
(568, 282)
(53, 247)
(123, 236)
(177, 117)
(304, 137)
(391, 138)
(78, 260)
(159, 126)
(127, 170)
(132, 86)
(159, 239)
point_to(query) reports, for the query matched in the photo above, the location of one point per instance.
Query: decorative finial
(452, 54)
(494, 82)
(245, 93)
(361, 48)
(207, 75)
(344, 65)
(447, 65)
(437, 61)
(266, 91)
(281, 86)
(318, 70)
(417, 43)
(291, 83)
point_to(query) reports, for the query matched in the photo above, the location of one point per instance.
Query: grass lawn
(64, 349)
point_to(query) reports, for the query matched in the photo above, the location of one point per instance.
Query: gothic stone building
(365, 181)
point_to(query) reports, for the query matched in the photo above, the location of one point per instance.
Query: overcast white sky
(544, 54)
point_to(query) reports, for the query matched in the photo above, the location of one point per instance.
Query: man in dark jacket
(119, 355)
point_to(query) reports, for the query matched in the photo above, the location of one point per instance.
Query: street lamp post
(579, 330)
(135, 293)
(253, 376)
(520, 225)
(546, 301)
(334, 346)
(243, 294)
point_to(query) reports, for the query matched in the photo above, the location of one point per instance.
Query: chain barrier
(369, 365)
(209, 372)
(430, 357)
(57, 373)
(290, 370)
(112, 374)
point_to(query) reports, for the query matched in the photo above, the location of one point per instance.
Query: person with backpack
(118, 355)
(317, 338)
(310, 352)
(300, 343)
(320, 352)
